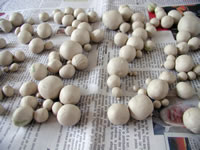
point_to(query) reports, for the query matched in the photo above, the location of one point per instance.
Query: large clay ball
(49, 87)
(6, 58)
(44, 30)
(16, 19)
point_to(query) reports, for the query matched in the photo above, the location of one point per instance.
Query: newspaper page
(94, 131)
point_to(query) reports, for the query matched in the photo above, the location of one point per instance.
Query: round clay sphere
(82, 17)
(184, 63)
(53, 55)
(167, 22)
(194, 43)
(44, 30)
(97, 35)
(80, 61)
(120, 39)
(78, 11)
(16, 19)
(54, 66)
(57, 17)
(68, 115)
(140, 107)
(112, 19)
(196, 69)
(138, 17)
(69, 49)
(85, 25)
(55, 108)
(8, 90)
(69, 30)
(140, 32)
(118, 114)
(67, 71)
(19, 56)
(38, 71)
(48, 103)
(36, 45)
(127, 52)
(191, 119)
(182, 47)
(70, 94)
(2, 43)
(41, 115)
(183, 36)
(69, 11)
(182, 76)
(27, 27)
(14, 67)
(6, 58)
(48, 45)
(124, 27)
(113, 81)
(29, 101)
(168, 76)
(44, 16)
(28, 88)
(92, 17)
(118, 66)
(67, 20)
(157, 89)
(170, 50)
(5, 25)
(81, 36)
(126, 13)
(136, 42)
(50, 87)
(24, 37)
(184, 90)
(22, 116)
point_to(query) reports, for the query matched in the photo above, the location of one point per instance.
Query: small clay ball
(182, 92)
(184, 63)
(5, 69)
(48, 45)
(67, 71)
(19, 56)
(155, 22)
(30, 21)
(44, 30)
(24, 37)
(151, 31)
(80, 61)
(196, 69)
(68, 115)
(16, 19)
(157, 104)
(29, 101)
(112, 19)
(44, 16)
(81, 36)
(14, 67)
(169, 64)
(182, 47)
(97, 35)
(36, 45)
(2, 43)
(113, 81)
(55, 108)
(170, 50)
(69, 30)
(165, 102)
(139, 54)
(183, 36)
(171, 58)
(142, 91)
(149, 45)
(5, 25)
(85, 25)
(124, 27)
(92, 17)
(41, 115)
(82, 17)
(191, 75)
(194, 43)
(54, 66)
(140, 107)
(69, 49)
(118, 66)
(38, 71)
(6, 58)
(69, 11)
(47, 104)
(75, 23)
(127, 52)
(120, 39)
(27, 27)
(182, 76)
(118, 114)
(28, 88)
(87, 47)
(70, 94)
(57, 17)
(50, 87)
(126, 13)
(157, 89)
(53, 55)
(8, 90)
(17, 30)
(168, 76)
(67, 20)
(117, 92)
(137, 24)
(136, 42)
(140, 32)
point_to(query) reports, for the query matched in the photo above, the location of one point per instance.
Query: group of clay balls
(58, 98)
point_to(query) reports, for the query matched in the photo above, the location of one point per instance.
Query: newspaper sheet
(94, 131)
